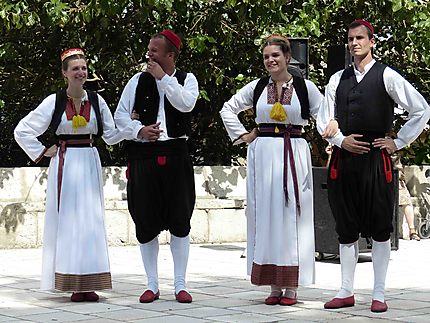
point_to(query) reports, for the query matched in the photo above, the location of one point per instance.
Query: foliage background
(222, 41)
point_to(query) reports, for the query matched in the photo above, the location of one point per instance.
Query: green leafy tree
(222, 48)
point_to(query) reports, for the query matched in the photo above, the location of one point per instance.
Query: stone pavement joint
(220, 288)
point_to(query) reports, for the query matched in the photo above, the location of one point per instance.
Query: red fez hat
(71, 52)
(365, 23)
(170, 35)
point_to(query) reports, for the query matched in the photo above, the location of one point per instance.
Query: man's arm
(408, 98)
(184, 97)
(128, 127)
(326, 115)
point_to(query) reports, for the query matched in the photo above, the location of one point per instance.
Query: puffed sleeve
(182, 98)
(408, 98)
(239, 102)
(111, 135)
(315, 98)
(327, 108)
(128, 127)
(34, 125)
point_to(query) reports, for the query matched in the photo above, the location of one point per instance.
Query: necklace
(76, 97)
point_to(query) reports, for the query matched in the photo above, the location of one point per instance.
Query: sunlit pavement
(220, 288)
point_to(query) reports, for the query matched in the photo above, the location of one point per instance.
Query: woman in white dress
(280, 231)
(75, 255)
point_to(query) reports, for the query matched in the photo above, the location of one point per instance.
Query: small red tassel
(387, 166)
(334, 165)
(333, 174)
(389, 177)
(161, 160)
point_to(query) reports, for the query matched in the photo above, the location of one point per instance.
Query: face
(274, 59)
(359, 43)
(76, 73)
(157, 51)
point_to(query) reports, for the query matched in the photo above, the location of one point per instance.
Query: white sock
(348, 260)
(180, 248)
(275, 291)
(290, 293)
(380, 258)
(149, 253)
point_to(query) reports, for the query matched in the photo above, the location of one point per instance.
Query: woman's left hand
(250, 137)
(51, 151)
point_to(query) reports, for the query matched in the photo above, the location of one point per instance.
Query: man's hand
(331, 129)
(150, 132)
(355, 146)
(135, 115)
(385, 143)
(51, 151)
(155, 69)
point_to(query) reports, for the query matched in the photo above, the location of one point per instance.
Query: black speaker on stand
(338, 58)
(299, 64)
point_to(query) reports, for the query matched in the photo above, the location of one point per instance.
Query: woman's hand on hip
(51, 151)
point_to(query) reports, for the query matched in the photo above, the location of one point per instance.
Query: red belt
(88, 142)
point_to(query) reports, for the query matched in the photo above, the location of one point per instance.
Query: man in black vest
(355, 116)
(160, 188)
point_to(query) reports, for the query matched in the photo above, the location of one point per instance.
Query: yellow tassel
(276, 129)
(82, 121)
(78, 121)
(278, 112)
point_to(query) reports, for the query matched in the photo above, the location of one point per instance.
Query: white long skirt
(75, 254)
(280, 243)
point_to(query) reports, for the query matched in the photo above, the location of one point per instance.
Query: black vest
(298, 84)
(147, 103)
(365, 106)
(60, 107)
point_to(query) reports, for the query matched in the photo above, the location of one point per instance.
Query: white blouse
(38, 121)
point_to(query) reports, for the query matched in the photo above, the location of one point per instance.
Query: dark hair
(356, 24)
(65, 63)
(170, 47)
(280, 41)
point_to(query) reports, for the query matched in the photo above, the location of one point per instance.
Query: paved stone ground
(220, 288)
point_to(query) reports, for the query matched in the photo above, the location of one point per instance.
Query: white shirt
(400, 90)
(183, 98)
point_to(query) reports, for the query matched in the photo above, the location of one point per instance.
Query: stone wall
(219, 215)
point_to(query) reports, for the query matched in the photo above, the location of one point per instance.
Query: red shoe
(272, 300)
(148, 296)
(183, 297)
(340, 302)
(378, 307)
(287, 301)
(77, 297)
(91, 297)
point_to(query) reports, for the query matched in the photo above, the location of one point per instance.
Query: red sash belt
(287, 132)
(64, 142)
